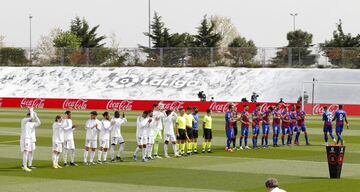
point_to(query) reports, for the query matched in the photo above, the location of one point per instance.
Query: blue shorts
(230, 133)
(285, 130)
(265, 129)
(302, 128)
(295, 128)
(328, 129)
(339, 128)
(276, 129)
(256, 130)
(244, 131)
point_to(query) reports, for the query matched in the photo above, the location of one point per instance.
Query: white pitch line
(13, 141)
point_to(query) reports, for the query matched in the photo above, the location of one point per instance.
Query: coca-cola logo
(75, 104)
(318, 109)
(124, 105)
(174, 106)
(34, 103)
(221, 107)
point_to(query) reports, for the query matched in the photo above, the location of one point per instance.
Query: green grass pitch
(302, 168)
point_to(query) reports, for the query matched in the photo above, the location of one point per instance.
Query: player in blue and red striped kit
(276, 124)
(256, 119)
(245, 123)
(266, 126)
(285, 125)
(340, 117)
(301, 125)
(229, 127)
(293, 128)
(327, 118)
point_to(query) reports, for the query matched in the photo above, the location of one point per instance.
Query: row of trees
(81, 43)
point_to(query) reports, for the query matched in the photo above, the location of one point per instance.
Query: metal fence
(184, 57)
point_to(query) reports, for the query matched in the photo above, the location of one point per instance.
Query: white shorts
(170, 138)
(57, 147)
(91, 143)
(69, 144)
(105, 143)
(117, 140)
(26, 145)
(141, 141)
(150, 140)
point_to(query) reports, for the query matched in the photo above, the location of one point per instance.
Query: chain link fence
(184, 57)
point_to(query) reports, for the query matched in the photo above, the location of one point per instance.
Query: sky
(266, 22)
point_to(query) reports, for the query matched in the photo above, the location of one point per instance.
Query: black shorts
(207, 134)
(189, 132)
(195, 133)
(235, 131)
(182, 135)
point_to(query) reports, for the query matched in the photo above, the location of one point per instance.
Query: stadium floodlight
(315, 82)
(30, 56)
(294, 19)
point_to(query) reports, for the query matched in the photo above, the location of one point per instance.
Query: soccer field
(298, 168)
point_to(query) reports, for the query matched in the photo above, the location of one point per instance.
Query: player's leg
(283, 133)
(195, 144)
(105, 152)
(121, 149)
(209, 138)
(143, 151)
(297, 136)
(332, 135)
(166, 145)
(234, 138)
(339, 130)
(93, 146)
(158, 138)
(100, 152)
(114, 141)
(303, 129)
(267, 131)
(173, 143)
(229, 137)
(246, 136)
(65, 153)
(72, 153)
(242, 135)
(86, 151)
(31, 155)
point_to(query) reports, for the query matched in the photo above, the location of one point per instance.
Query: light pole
(294, 19)
(30, 57)
(149, 6)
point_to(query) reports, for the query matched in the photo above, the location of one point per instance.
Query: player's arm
(177, 128)
(346, 121)
(37, 120)
(335, 116)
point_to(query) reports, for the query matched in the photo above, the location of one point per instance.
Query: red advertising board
(108, 104)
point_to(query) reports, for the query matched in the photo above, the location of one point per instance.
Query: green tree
(342, 49)
(207, 37)
(242, 51)
(297, 51)
(88, 35)
(67, 39)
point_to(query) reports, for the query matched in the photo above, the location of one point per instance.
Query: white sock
(57, 156)
(174, 149)
(65, 155)
(72, 155)
(143, 153)
(25, 159)
(86, 153)
(104, 155)
(112, 151)
(150, 150)
(99, 155)
(92, 156)
(147, 151)
(54, 158)
(165, 149)
(121, 149)
(30, 158)
(136, 150)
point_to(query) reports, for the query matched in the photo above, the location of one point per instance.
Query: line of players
(149, 133)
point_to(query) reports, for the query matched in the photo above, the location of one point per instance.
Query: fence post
(343, 57)
(185, 61)
(289, 49)
(62, 59)
(87, 56)
(211, 56)
(161, 56)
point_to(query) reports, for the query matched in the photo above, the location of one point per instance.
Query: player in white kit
(169, 132)
(149, 133)
(141, 140)
(158, 115)
(57, 141)
(92, 126)
(116, 137)
(104, 138)
(69, 144)
(28, 138)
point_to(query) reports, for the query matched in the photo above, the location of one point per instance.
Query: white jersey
(140, 126)
(105, 130)
(169, 124)
(25, 133)
(158, 125)
(91, 131)
(116, 126)
(32, 126)
(68, 129)
(150, 128)
(58, 131)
